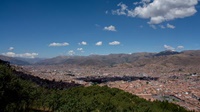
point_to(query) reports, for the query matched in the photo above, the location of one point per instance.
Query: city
(172, 84)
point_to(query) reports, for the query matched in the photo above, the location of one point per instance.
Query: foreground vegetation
(18, 95)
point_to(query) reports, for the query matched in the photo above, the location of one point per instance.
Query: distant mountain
(30, 60)
(13, 60)
(97, 60)
(191, 53)
(55, 60)
(186, 58)
(167, 52)
(21, 61)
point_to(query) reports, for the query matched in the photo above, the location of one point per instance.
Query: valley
(162, 77)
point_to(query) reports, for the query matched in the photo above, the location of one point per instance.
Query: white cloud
(99, 43)
(54, 44)
(83, 43)
(180, 47)
(161, 26)
(153, 26)
(71, 52)
(10, 54)
(121, 11)
(136, 3)
(11, 48)
(170, 26)
(114, 43)
(29, 55)
(110, 28)
(24, 55)
(158, 11)
(169, 48)
(146, 1)
(79, 49)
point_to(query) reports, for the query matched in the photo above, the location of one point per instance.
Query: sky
(49, 28)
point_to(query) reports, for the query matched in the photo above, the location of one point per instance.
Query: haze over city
(41, 28)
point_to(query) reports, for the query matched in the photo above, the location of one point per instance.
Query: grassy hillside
(18, 95)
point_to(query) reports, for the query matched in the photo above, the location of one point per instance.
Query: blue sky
(48, 28)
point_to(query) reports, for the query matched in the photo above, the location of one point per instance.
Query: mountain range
(186, 58)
